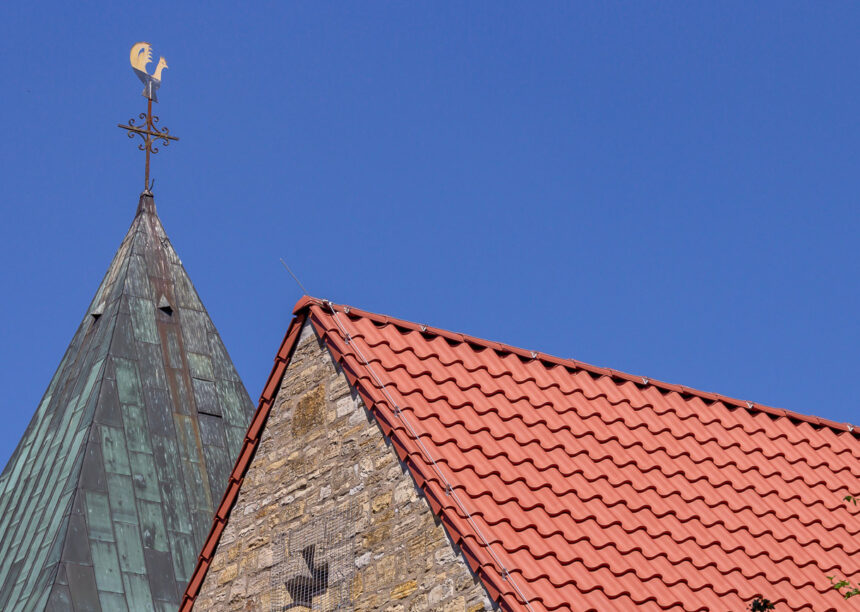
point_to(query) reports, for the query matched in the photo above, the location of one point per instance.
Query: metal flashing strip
(449, 489)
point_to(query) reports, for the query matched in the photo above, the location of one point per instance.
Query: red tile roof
(574, 487)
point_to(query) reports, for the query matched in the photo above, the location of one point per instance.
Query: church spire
(111, 490)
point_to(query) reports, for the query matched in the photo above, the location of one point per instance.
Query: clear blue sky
(667, 189)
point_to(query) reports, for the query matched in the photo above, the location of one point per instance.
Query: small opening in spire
(98, 311)
(164, 306)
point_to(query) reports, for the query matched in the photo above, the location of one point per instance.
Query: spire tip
(146, 204)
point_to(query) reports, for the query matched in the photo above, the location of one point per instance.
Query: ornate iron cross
(141, 55)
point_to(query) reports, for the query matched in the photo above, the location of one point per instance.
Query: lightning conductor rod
(295, 278)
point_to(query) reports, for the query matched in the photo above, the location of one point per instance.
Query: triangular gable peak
(111, 490)
(567, 486)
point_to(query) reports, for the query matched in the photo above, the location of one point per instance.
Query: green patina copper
(110, 493)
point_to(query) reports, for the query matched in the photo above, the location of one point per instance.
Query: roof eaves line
(307, 301)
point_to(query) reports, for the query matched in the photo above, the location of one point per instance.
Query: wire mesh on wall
(314, 564)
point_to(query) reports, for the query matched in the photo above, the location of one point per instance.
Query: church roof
(109, 494)
(569, 486)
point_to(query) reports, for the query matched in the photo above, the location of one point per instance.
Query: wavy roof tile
(574, 487)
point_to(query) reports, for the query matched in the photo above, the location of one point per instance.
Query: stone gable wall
(321, 452)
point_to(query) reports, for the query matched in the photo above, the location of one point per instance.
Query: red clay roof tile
(596, 489)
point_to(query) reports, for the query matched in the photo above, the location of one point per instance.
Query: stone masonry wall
(321, 452)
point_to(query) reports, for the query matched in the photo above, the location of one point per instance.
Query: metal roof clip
(750, 405)
(346, 309)
(850, 427)
(534, 355)
(424, 328)
(645, 381)
(448, 489)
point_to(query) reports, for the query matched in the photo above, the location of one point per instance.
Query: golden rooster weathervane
(141, 55)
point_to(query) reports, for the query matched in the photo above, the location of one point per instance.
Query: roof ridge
(307, 301)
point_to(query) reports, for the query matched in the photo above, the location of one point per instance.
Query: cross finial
(141, 55)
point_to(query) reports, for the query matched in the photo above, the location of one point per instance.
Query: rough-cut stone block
(404, 590)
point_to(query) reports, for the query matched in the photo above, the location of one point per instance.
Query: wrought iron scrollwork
(150, 132)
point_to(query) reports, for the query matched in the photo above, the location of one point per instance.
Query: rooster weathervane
(140, 57)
